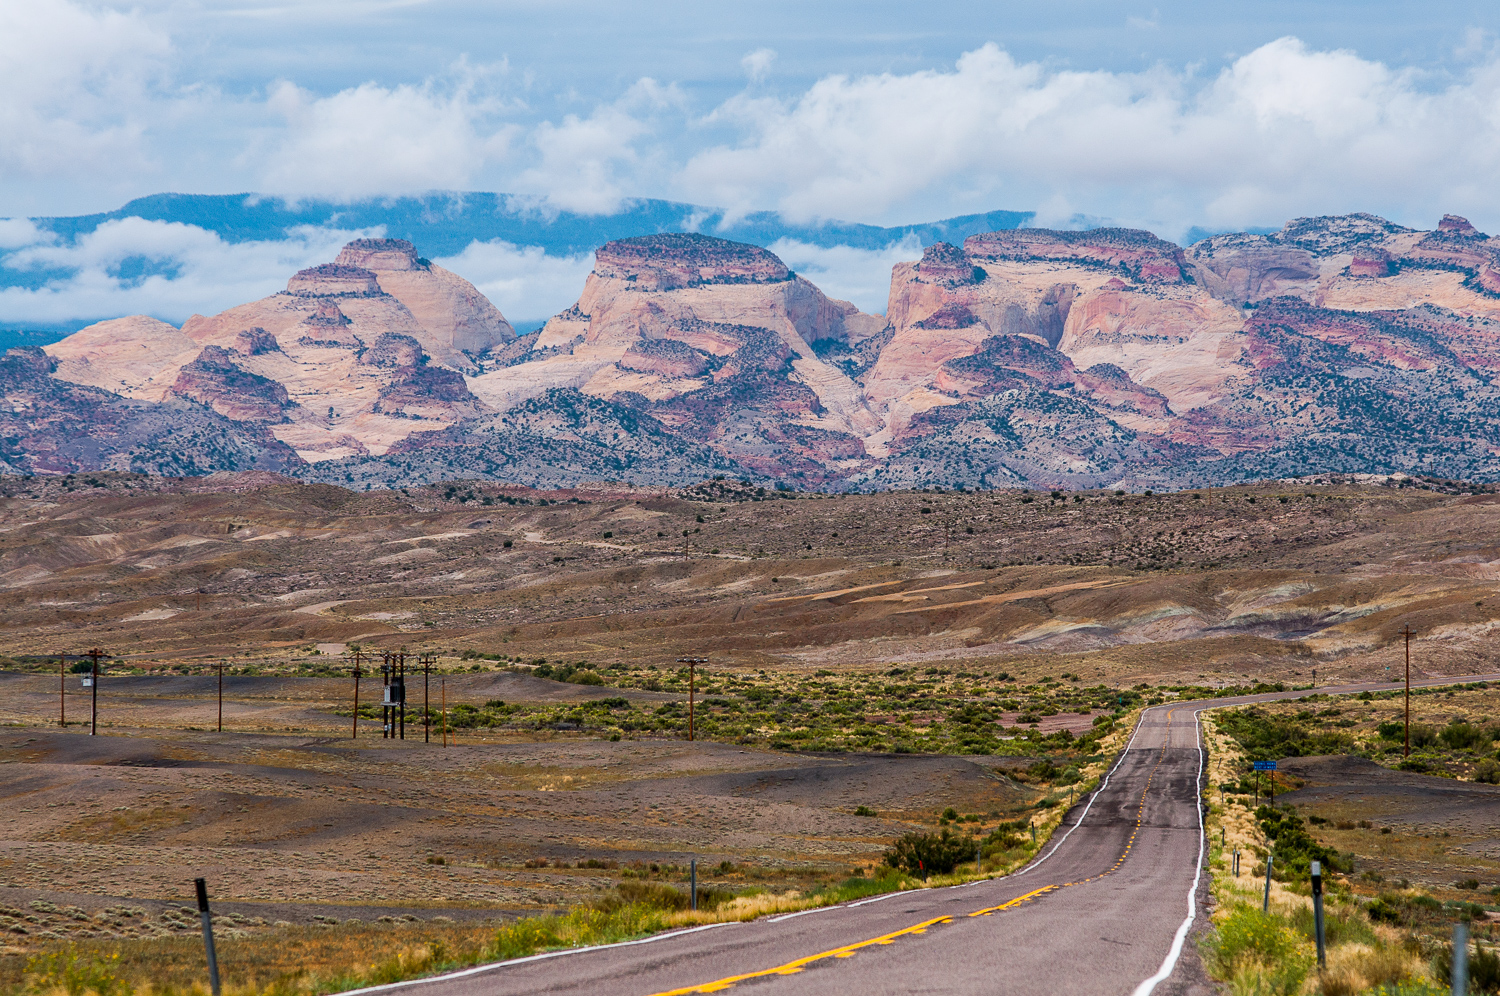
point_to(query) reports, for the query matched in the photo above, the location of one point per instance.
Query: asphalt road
(1104, 909)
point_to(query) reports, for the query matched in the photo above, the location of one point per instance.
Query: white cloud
(862, 276)
(76, 82)
(524, 282)
(582, 159)
(758, 63)
(168, 270)
(1282, 131)
(372, 140)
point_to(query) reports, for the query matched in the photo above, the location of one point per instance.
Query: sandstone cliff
(297, 360)
(1026, 358)
(714, 338)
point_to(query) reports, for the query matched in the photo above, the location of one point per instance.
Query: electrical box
(395, 694)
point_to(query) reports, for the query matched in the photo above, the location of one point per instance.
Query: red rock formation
(332, 279)
(947, 265)
(328, 313)
(213, 379)
(1370, 261)
(950, 316)
(393, 352)
(1140, 254)
(1458, 226)
(255, 342)
(1109, 385)
(686, 259)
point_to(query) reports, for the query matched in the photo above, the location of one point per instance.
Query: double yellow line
(848, 950)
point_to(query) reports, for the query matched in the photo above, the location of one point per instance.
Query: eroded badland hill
(1266, 581)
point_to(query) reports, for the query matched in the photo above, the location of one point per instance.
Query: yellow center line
(793, 967)
(848, 950)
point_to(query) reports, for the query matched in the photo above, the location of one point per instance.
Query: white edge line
(447, 976)
(1092, 799)
(1170, 962)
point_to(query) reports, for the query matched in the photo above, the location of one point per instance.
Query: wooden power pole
(1406, 631)
(692, 663)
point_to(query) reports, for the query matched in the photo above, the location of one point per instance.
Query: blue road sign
(1265, 765)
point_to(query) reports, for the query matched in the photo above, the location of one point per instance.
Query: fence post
(693, 882)
(208, 934)
(1265, 906)
(1460, 973)
(1317, 898)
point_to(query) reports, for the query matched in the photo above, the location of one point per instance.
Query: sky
(1163, 116)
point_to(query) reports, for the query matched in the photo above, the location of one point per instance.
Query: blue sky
(1164, 116)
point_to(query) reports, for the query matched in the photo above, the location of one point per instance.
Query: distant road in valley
(1105, 909)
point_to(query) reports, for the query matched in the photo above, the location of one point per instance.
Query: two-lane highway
(1104, 909)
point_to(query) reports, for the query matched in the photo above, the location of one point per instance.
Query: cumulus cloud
(583, 161)
(164, 269)
(524, 282)
(1283, 130)
(862, 276)
(76, 83)
(372, 140)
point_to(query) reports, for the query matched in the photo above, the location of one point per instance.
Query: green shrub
(1459, 735)
(931, 852)
(1336, 929)
(77, 973)
(1257, 953)
(1487, 771)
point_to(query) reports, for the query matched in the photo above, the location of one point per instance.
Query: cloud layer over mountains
(117, 103)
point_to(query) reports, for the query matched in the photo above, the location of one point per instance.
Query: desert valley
(931, 567)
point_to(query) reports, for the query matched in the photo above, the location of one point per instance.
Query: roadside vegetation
(1383, 937)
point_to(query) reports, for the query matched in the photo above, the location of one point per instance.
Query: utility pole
(443, 690)
(1406, 631)
(427, 662)
(62, 689)
(96, 653)
(221, 696)
(692, 663)
(385, 696)
(401, 708)
(359, 658)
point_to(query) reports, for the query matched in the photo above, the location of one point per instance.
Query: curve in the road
(1102, 922)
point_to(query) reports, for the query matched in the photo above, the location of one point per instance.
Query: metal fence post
(1460, 972)
(693, 883)
(1265, 906)
(1317, 898)
(208, 934)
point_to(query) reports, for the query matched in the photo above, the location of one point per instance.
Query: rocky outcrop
(714, 338)
(333, 280)
(1138, 254)
(256, 342)
(216, 380)
(686, 259)
(1245, 268)
(388, 255)
(949, 266)
(53, 426)
(1031, 358)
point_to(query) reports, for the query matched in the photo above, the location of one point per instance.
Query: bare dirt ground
(297, 827)
(990, 597)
